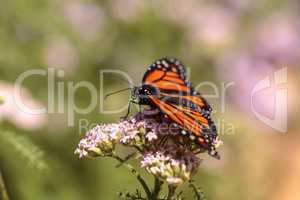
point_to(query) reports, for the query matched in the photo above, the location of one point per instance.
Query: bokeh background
(219, 41)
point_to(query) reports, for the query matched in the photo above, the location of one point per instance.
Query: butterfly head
(140, 95)
(135, 97)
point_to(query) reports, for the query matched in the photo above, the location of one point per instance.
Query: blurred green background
(221, 42)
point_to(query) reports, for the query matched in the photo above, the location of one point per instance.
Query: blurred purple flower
(245, 71)
(184, 9)
(242, 6)
(277, 39)
(60, 54)
(127, 10)
(11, 112)
(212, 25)
(86, 19)
(273, 45)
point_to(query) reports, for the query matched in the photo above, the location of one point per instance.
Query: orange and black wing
(176, 98)
(169, 78)
(167, 75)
(198, 124)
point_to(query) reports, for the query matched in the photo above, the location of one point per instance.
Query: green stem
(171, 193)
(136, 174)
(157, 187)
(3, 192)
(199, 195)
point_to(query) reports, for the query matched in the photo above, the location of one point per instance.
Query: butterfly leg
(128, 110)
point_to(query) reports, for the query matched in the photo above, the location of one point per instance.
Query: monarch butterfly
(165, 87)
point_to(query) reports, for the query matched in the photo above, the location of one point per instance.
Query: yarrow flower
(151, 136)
(156, 140)
(102, 139)
(99, 141)
(132, 132)
(171, 163)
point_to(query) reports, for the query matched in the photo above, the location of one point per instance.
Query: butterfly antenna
(129, 82)
(116, 92)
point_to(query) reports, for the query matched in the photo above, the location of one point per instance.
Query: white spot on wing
(192, 137)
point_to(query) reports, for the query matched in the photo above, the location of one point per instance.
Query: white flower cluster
(102, 139)
(99, 141)
(172, 163)
(165, 159)
(132, 132)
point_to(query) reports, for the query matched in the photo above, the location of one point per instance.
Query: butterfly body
(165, 87)
(140, 95)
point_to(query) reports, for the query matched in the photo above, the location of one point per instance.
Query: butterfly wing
(198, 123)
(165, 69)
(178, 100)
(167, 75)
